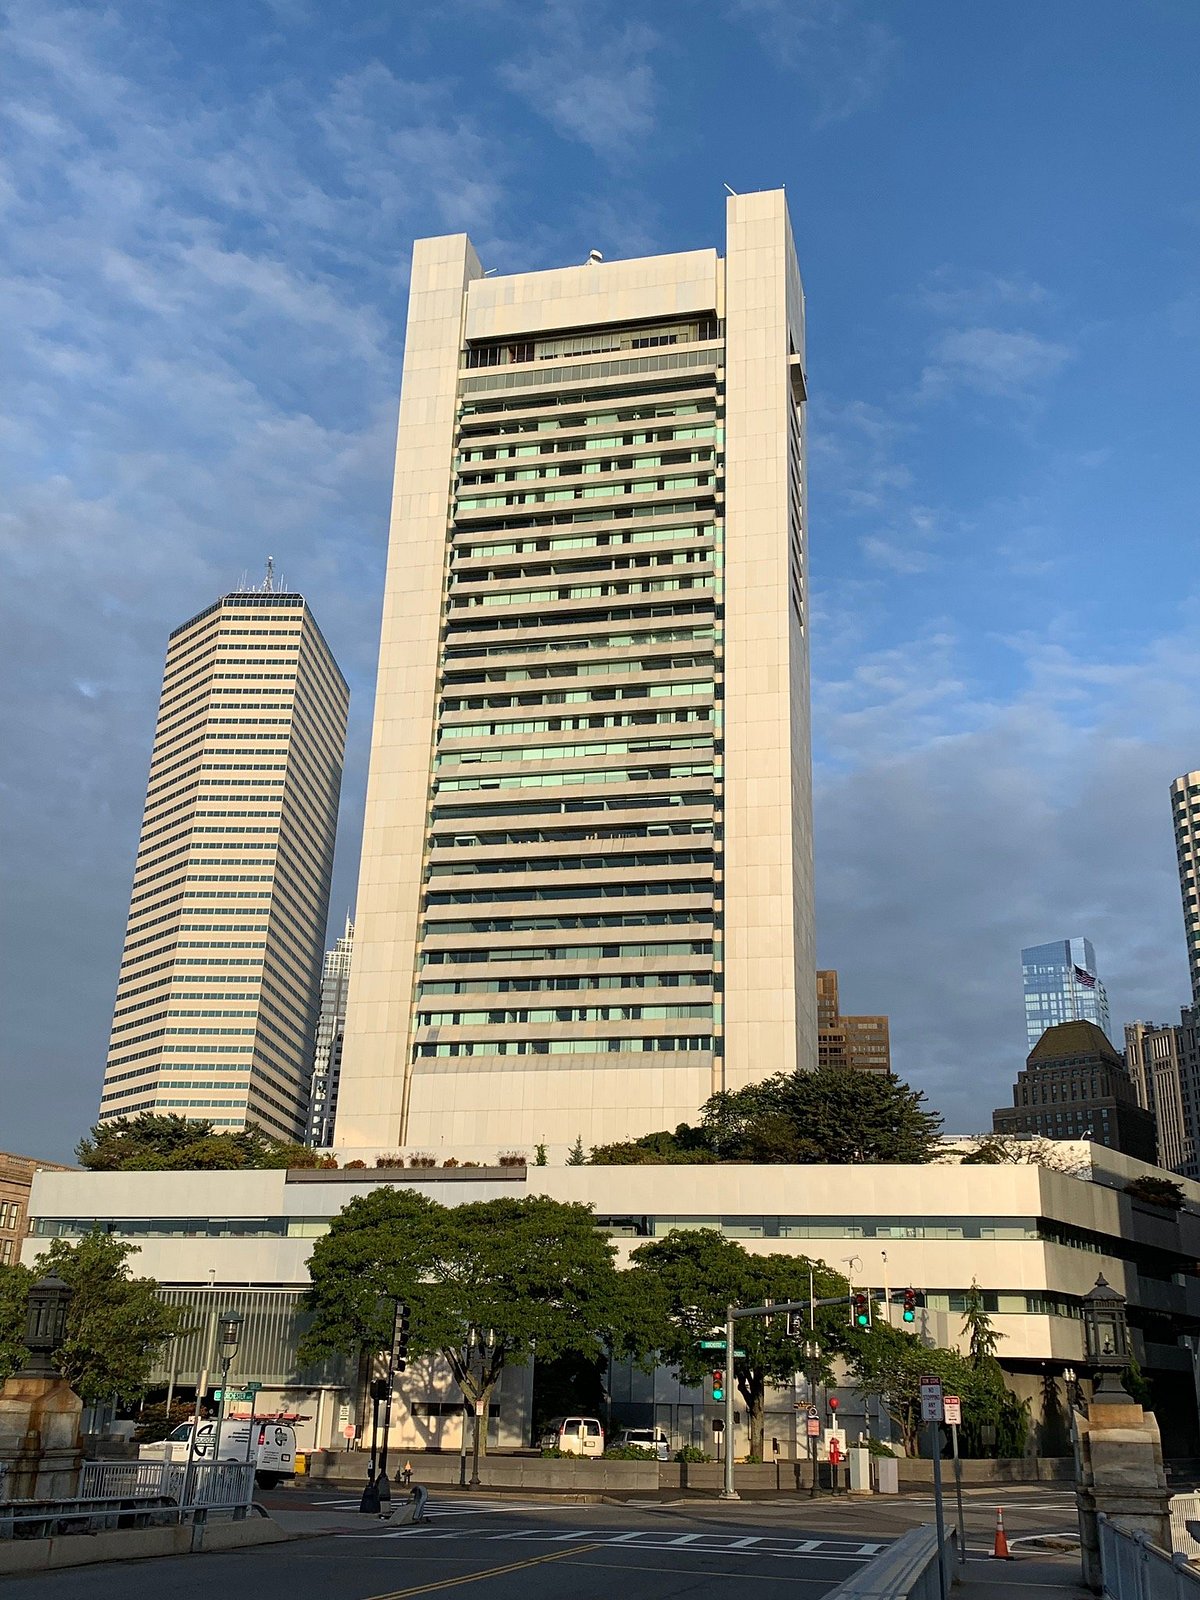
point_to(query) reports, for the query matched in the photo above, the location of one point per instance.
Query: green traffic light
(862, 1319)
(910, 1316)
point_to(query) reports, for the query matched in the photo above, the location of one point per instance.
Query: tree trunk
(753, 1391)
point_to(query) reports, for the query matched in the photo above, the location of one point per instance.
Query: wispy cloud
(946, 294)
(840, 52)
(991, 361)
(588, 73)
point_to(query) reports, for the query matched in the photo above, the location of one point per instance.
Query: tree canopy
(527, 1275)
(153, 1143)
(828, 1116)
(683, 1284)
(115, 1322)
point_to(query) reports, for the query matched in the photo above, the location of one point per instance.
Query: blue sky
(207, 219)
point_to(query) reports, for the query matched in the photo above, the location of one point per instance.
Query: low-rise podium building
(1033, 1239)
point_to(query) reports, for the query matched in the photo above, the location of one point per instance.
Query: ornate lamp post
(229, 1335)
(1106, 1340)
(45, 1326)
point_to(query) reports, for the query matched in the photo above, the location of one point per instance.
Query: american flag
(1085, 978)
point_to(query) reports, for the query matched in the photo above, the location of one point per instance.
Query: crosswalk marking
(654, 1539)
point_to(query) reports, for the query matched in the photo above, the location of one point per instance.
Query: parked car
(574, 1436)
(647, 1439)
(270, 1445)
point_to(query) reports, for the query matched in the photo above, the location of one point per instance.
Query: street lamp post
(45, 1326)
(229, 1335)
(1106, 1340)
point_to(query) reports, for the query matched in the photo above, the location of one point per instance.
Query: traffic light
(862, 1312)
(400, 1338)
(910, 1305)
(718, 1384)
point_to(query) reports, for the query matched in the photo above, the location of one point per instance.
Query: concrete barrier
(1032, 1469)
(503, 1472)
(133, 1544)
(906, 1570)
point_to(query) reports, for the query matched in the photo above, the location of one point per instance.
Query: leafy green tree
(379, 1249)
(889, 1364)
(14, 1293)
(686, 1146)
(684, 1283)
(576, 1157)
(834, 1116)
(153, 1143)
(978, 1329)
(829, 1116)
(115, 1322)
(527, 1275)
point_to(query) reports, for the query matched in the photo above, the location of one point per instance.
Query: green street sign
(248, 1393)
(719, 1344)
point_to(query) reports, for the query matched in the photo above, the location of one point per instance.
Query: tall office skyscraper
(217, 994)
(1164, 1062)
(586, 890)
(1185, 809)
(1061, 985)
(331, 1034)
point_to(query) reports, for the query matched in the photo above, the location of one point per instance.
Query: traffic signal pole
(728, 1492)
(736, 1314)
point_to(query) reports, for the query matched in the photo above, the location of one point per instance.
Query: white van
(653, 1439)
(270, 1445)
(574, 1436)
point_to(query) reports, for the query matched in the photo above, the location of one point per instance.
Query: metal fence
(134, 1494)
(1134, 1569)
(1185, 1525)
(217, 1485)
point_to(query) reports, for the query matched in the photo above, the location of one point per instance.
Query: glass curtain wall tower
(586, 891)
(217, 995)
(1061, 985)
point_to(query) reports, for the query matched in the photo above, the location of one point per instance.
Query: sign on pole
(952, 1410)
(812, 1427)
(931, 1399)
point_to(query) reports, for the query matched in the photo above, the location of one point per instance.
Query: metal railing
(134, 1494)
(217, 1485)
(1135, 1569)
(1185, 1525)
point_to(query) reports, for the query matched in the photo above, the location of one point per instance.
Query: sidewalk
(1042, 1576)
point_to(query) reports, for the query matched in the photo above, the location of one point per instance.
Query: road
(489, 1548)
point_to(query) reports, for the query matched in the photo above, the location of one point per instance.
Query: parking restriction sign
(931, 1399)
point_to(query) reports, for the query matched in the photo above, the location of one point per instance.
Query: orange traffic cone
(1000, 1550)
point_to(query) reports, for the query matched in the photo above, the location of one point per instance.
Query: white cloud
(991, 361)
(945, 294)
(588, 74)
(953, 830)
(202, 305)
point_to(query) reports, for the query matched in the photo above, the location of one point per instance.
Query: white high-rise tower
(586, 890)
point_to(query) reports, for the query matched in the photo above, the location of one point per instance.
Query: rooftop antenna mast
(268, 586)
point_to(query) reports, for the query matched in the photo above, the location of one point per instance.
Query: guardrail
(1135, 1569)
(906, 1570)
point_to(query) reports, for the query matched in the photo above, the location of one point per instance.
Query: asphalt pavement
(494, 1547)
